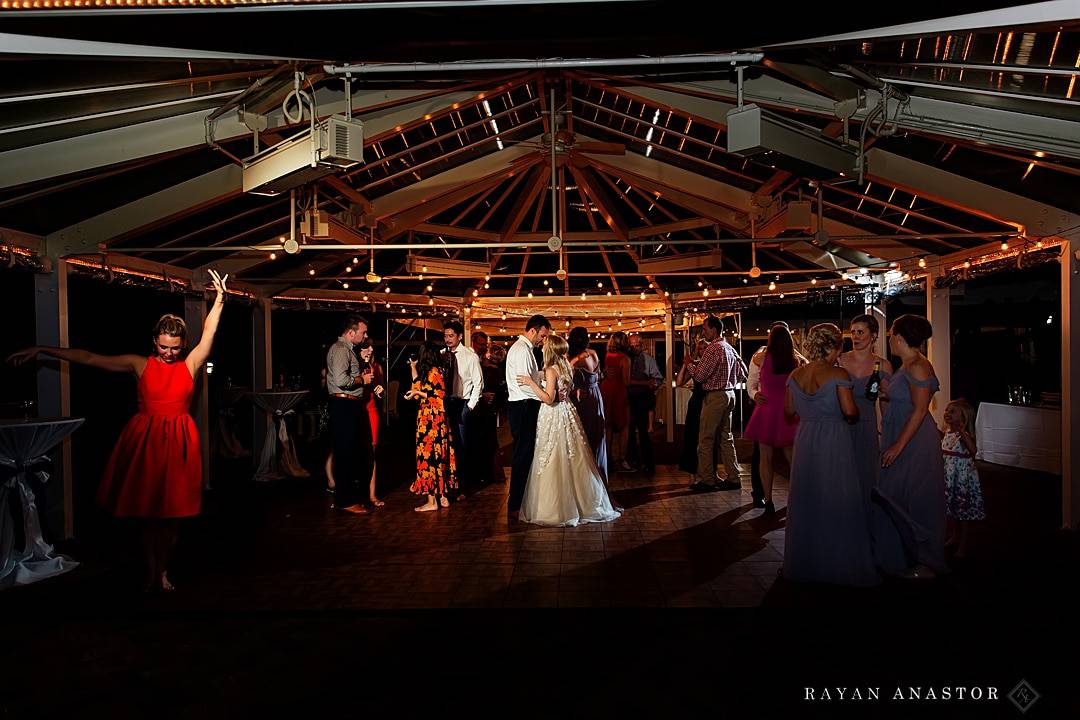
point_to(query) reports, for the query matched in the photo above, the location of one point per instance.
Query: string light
(311, 271)
(609, 293)
(530, 293)
(348, 268)
(967, 263)
(551, 290)
(475, 293)
(429, 288)
(273, 256)
(813, 281)
(772, 285)
(600, 285)
(386, 289)
(487, 286)
(356, 261)
(922, 262)
(545, 283)
(345, 285)
(1004, 245)
(642, 296)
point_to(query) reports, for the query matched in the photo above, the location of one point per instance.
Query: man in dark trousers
(349, 426)
(464, 383)
(523, 405)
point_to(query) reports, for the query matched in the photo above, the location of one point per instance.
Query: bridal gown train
(564, 487)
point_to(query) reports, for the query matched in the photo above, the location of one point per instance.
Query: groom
(523, 405)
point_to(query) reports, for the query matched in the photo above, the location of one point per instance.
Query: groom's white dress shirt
(521, 361)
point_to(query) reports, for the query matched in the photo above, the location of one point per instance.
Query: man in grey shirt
(349, 425)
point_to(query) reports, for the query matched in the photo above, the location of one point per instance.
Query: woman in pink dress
(769, 426)
(155, 471)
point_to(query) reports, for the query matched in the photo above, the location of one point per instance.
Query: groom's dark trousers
(522, 415)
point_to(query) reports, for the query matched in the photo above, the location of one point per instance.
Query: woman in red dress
(616, 399)
(374, 392)
(436, 464)
(155, 471)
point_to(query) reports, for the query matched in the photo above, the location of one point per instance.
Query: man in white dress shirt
(464, 383)
(523, 405)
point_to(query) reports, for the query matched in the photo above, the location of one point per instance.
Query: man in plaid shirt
(717, 371)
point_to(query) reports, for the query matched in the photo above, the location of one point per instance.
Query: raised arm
(198, 355)
(112, 363)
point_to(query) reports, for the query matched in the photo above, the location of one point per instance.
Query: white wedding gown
(564, 486)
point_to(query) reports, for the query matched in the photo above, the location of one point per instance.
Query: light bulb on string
(772, 285)
(345, 285)
(348, 268)
(545, 283)
(551, 290)
(273, 256)
(1004, 245)
(356, 261)
(530, 293)
(429, 288)
(813, 281)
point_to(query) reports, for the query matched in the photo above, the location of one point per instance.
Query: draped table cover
(23, 448)
(1020, 436)
(278, 404)
(682, 400)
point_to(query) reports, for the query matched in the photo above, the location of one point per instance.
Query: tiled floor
(672, 547)
(284, 603)
(280, 547)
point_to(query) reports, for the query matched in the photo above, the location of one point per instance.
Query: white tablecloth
(1024, 437)
(278, 405)
(23, 445)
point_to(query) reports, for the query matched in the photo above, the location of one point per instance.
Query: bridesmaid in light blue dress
(908, 514)
(827, 538)
(859, 362)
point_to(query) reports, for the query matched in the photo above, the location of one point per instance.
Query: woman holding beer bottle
(870, 373)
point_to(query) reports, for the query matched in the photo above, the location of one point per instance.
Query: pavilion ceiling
(459, 165)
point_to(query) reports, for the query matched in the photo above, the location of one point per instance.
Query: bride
(564, 486)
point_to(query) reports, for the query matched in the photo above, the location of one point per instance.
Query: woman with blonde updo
(827, 538)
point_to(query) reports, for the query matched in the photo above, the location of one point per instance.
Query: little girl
(963, 495)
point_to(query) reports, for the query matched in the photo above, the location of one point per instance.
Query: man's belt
(345, 396)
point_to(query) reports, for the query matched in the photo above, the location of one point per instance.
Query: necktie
(451, 380)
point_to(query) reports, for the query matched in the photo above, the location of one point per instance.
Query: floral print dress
(436, 465)
(963, 493)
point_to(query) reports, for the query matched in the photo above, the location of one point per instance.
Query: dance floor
(283, 603)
